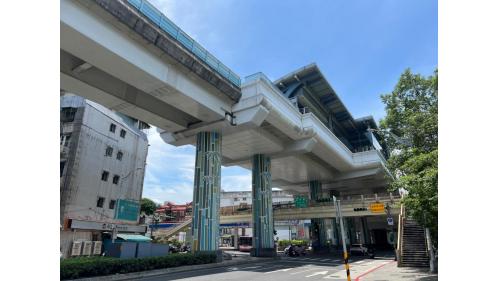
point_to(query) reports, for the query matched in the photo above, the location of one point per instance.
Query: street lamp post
(339, 217)
(155, 223)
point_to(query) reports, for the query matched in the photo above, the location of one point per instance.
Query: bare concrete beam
(294, 148)
(128, 94)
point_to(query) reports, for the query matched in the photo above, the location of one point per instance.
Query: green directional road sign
(127, 210)
(300, 202)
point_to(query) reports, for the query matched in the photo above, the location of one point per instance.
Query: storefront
(81, 237)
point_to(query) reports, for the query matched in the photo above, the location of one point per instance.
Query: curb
(158, 272)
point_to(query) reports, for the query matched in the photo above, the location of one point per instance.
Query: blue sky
(361, 46)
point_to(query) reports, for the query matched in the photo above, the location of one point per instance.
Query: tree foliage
(412, 114)
(148, 206)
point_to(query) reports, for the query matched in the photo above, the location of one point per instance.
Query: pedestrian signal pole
(339, 218)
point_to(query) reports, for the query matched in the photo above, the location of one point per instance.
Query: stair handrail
(400, 233)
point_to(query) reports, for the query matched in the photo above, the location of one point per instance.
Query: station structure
(293, 133)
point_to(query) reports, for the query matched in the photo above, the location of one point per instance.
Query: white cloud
(237, 182)
(170, 172)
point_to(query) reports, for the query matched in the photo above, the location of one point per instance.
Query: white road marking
(250, 267)
(303, 271)
(318, 273)
(315, 262)
(279, 270)
(336, 275)
(358, 262)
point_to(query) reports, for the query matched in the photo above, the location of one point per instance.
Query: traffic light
(360, 209)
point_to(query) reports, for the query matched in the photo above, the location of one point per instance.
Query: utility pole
(154, 224)
(290, 231)
(114, 232)
(339, 217)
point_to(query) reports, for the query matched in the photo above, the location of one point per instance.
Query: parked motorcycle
(295, 251)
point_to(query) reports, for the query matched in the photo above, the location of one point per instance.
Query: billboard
(127, 210)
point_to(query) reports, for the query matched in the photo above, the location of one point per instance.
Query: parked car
(362, 250)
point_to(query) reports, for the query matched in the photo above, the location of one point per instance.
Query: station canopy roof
(309, 81)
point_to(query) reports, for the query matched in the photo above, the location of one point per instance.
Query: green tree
(148, 206)
(412, 114)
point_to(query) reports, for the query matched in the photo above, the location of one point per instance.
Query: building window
(112, 204)
(68, 114)
(119, 155)
(235, 199)
(116, 178)
(61, 166)
(123, 133)
(109, 151)
(104, 175)
(65, 138)
(100, 202)
(244, 199)
(112, 128)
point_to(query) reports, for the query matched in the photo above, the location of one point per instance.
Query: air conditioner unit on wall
(97, 247)
(76, 248)
(87, 248)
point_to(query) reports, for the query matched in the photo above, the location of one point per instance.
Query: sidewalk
(391, 272)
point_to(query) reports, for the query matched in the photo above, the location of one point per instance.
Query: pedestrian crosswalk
(316, 259)
(316, 268)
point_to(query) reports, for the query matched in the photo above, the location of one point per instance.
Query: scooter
(293, 251)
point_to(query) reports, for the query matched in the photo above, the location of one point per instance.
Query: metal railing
(347, 203)
(158, 18)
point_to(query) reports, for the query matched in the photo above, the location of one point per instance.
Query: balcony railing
(158, 18)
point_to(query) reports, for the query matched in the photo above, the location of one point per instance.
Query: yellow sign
(377, 207)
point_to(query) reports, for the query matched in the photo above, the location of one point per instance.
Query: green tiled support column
(316, 190)
(262, 207)
(206, 193)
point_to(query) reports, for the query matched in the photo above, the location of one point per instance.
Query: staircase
(174, 230)
(414, 251)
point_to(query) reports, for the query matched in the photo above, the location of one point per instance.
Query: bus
(245, 243)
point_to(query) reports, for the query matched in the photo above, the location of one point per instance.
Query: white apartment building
(103, 158)
(236, 198)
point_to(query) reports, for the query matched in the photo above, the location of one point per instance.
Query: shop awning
(133, 237)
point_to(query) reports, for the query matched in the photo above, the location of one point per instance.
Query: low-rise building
(236, 198)
(103, 158)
